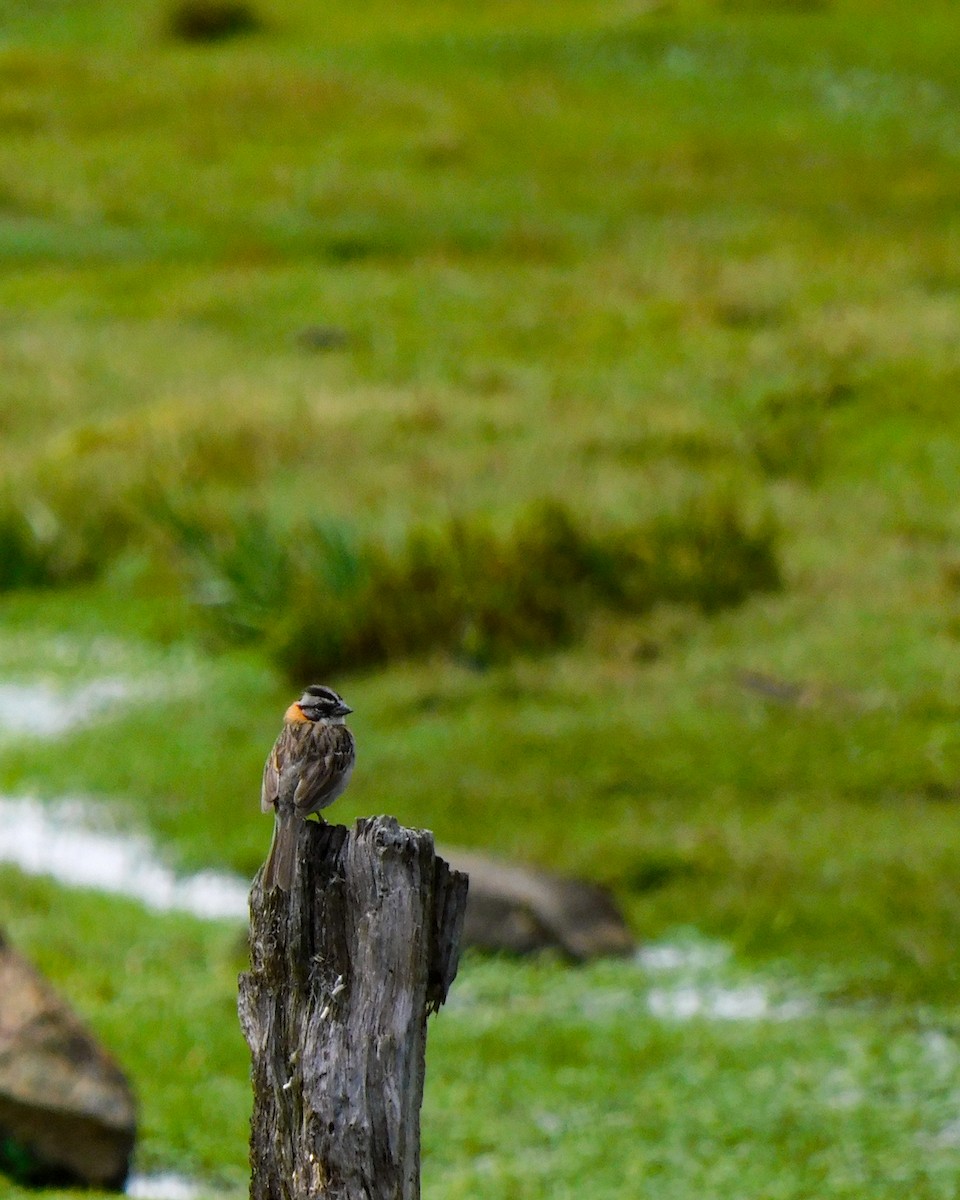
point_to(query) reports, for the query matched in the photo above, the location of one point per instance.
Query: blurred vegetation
(625, 257)
(33, 553)
(325, 601)
(211, 20)
(100, 488)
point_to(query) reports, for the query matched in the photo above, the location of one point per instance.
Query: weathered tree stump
(345, 971)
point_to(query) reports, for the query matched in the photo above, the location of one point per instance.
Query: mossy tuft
(324, 600)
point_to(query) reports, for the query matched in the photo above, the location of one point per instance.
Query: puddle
(41, 710)
(687, 979)
(64, 842)
(686, 957)
(697, 979)
(750, 1003)
(165, 1186)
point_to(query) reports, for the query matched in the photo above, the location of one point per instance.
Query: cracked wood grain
(345, 970)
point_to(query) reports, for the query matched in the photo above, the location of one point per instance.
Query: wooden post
(344, 971)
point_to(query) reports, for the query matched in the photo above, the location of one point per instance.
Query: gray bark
(344, 972)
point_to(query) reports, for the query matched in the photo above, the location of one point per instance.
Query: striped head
(318, 703)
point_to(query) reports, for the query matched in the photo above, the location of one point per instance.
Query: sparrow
(308, 768)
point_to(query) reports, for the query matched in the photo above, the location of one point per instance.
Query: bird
(308, 768)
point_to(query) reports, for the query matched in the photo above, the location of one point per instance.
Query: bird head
(318, 703)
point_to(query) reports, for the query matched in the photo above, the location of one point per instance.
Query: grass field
(386, 268)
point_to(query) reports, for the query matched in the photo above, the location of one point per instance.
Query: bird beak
(343, 709)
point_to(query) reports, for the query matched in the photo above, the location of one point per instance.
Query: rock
(323, 337)
(522, 910)
(67, 1113)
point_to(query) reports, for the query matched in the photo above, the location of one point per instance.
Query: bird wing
(276, 770)
(326, 768)
(270, 787)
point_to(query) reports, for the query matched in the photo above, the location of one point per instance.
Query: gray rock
(67, 1113)
(522, 910)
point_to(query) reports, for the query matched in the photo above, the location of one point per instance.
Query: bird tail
(281, 865)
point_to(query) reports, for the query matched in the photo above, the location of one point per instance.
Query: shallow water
(42, 710)
(64, 841)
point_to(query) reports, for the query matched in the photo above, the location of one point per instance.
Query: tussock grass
(91, 493)
(211, 20)
(36, 551)
(788, 436)
(324, 600)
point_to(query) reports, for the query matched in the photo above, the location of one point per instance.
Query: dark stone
(323, 337)
(67, 1113)
(521, 910)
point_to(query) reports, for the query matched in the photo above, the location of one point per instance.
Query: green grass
(623, 257)
(810, 1099)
